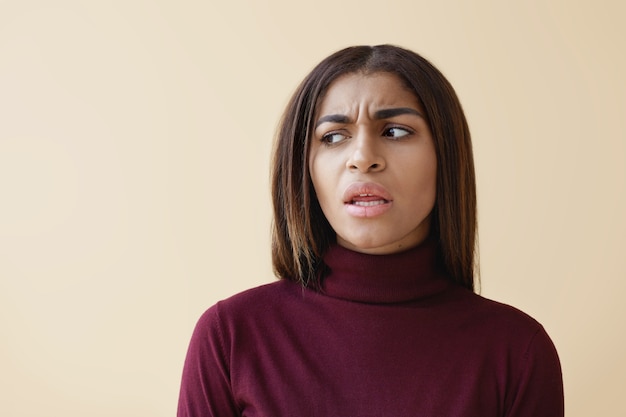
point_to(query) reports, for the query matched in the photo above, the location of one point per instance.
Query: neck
(394, 278)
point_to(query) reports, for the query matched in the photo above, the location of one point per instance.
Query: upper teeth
(369, 203)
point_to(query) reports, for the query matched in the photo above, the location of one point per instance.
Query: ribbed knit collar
(382, 279)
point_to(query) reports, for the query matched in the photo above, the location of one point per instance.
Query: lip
(366, 199)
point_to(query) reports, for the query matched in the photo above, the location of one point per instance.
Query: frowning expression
(373, 163)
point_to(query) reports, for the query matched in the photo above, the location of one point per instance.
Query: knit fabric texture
(386, 335)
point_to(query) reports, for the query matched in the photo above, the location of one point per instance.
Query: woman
(374, 235)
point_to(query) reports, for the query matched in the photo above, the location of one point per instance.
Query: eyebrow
(333, 118)
(380, 114)
(387, 113)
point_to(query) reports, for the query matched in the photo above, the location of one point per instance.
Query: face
(373, 163)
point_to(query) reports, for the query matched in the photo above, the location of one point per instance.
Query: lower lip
(367, 211)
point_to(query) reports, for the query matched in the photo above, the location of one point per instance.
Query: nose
(366, 155)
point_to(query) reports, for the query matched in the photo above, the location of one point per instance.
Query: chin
(377, 244)
(371, 246)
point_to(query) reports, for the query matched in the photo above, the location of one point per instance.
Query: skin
(373, 163)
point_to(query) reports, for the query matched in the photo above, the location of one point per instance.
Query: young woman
(374, 236)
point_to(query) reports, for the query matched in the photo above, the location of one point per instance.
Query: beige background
(134, 156)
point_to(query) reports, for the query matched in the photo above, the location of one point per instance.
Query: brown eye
(333, 138)
(396, 132)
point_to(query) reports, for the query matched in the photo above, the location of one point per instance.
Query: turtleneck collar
(383, 279)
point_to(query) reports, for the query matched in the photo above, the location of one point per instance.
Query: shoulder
(521, 350)
(493, 313)
(250, 305)
(262, 297)
(498, 327)
(510, 337)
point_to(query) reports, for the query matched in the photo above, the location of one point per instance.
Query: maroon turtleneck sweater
(387, 336)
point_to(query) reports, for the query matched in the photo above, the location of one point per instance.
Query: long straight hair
(301, 233)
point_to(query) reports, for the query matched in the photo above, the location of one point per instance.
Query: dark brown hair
(301, 233)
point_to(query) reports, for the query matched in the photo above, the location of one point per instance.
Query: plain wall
(135, 139)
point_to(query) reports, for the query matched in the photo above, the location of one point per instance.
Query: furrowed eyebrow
(333, 118)
(380, 114)
(388, 113)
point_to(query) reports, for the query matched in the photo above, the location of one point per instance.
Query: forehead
(376, 90)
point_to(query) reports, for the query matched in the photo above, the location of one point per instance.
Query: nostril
(365, 166)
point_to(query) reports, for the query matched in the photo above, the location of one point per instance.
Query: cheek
(424, 188)
(313, 174)
(430, 185)
(317, 182)
(323, 178)
(322, 191)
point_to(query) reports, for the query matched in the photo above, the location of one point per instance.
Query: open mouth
(367, 200)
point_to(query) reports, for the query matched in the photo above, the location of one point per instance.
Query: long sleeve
(205, 387)
(281, 350)
(539, 391)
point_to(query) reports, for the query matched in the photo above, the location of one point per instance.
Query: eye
(396, 132)
(333, 138)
